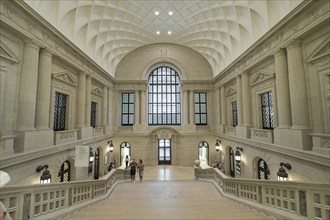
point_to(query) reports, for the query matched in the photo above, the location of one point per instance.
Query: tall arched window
(263, 170)
(164, 97)
(64, 173)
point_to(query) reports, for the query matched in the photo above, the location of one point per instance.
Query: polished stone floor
(168, 192)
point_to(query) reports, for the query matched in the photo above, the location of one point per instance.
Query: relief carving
(65, 77)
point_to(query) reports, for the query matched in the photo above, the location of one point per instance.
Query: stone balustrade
(50, 201)
(229, 130)
(262, 135)
(286, 200)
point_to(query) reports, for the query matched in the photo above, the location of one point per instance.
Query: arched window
(64, 173)
(125, 150)
(164, 97)
(263, 170)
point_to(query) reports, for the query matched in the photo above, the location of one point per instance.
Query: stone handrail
(48, 201)
(285, 200)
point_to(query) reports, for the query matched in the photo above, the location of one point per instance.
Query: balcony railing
(286, 200)
(57, 200)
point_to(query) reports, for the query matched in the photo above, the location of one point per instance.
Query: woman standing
(141, 169)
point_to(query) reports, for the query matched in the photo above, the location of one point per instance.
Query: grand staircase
(169, 199)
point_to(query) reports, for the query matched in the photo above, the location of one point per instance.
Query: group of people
(219, 165)
(133, 167)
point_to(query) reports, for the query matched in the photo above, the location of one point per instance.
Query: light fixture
(282, 175)
(91, 155)
(169, 32)
(158, 32)
(156, 12)
(217, 145)
(170, 13)
(46, 176)
(238, 154)
(110, 146)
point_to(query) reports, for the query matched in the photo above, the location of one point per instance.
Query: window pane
(165, 95)
(127, 108)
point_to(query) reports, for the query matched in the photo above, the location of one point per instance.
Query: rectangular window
(267, 110)
(234, 113)
(127, 109)
(59, 111)
(93, 114)
(200, 108)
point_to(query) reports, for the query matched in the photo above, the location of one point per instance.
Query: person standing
(126, 161)
(141, 169)
(133, 166)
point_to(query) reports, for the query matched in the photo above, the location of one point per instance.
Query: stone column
(239, 100)
(217, 116)
(223, 106)
(298, 90)
(299, 136)
(144, 112)
(137, 107)
(105, 106)
(44, 89)
(81, 105)
(88, 101)
(282, 90)
(185, 110)
(246, 100)
(191, 108)
(28, 87)
(110, 106)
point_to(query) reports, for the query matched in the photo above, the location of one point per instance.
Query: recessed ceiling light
(157, 32)
(156, 12)
(169, 32)
(170, 13)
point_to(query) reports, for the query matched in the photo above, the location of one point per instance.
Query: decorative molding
(261, 76)
(97, 91)
(7, 54)
(230, 91)
(66, 77)
(322, 50)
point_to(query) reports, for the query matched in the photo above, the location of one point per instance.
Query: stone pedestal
(32, 140)
(85, 132)
(294, 138)
(189, 128)
(243, 131)
(139, 128)
(7, 146)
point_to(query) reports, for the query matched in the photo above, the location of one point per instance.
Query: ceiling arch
(107, 30)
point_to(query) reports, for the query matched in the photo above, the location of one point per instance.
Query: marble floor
(167, 192)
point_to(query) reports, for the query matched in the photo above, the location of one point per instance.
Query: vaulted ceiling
(107, 30)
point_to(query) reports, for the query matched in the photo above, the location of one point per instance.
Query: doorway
(125, 150)
(164, 151)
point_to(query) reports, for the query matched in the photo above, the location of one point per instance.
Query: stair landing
(167, 199)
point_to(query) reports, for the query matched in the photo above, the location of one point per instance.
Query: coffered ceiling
(107, 30)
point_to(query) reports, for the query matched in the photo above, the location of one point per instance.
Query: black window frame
(263, 170)
(93, 114)
(60, 105)
(164, 97)
(234, 113)
(200, 116)
(267, 110)
(129, 106)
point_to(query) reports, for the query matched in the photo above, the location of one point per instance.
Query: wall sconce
(238, 154)
(91, 155)
(282, 175)
(46, 176)
(217, 145)
(110, 146)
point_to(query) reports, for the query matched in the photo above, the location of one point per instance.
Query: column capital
(293, 43)
(46, 52)
(31, 43)
(280, 52)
